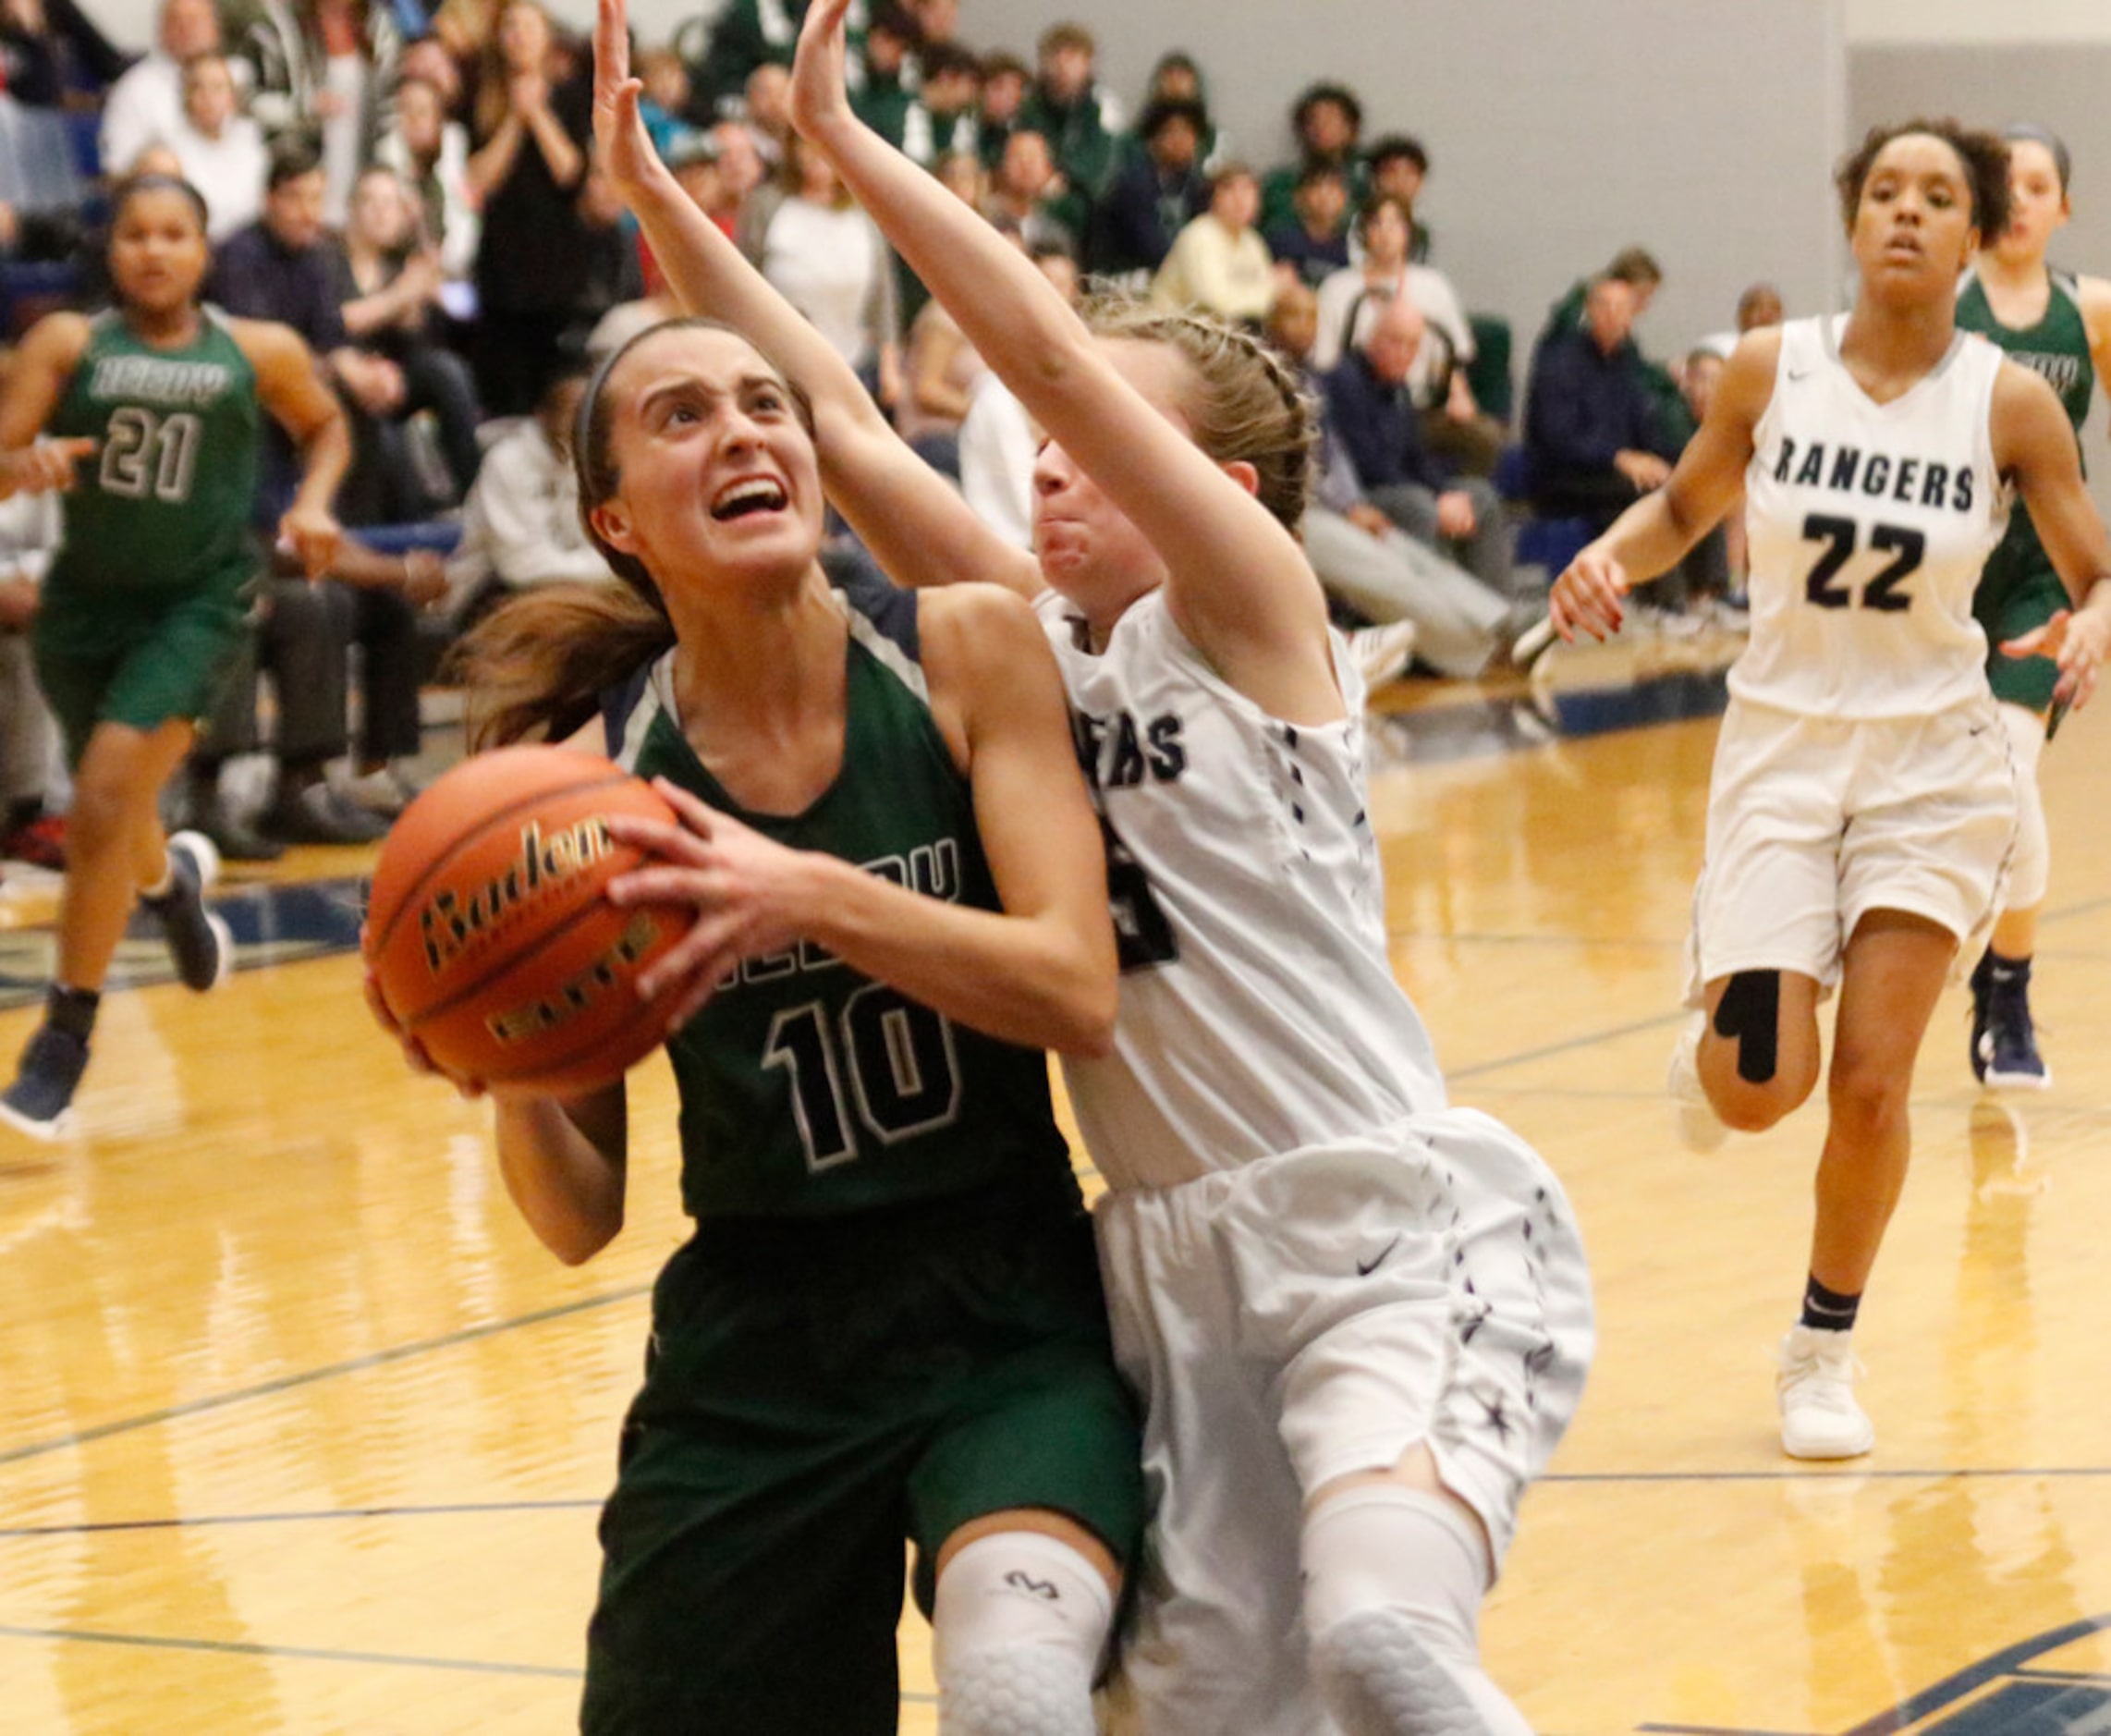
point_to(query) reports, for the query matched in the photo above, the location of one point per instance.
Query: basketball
(488, 933)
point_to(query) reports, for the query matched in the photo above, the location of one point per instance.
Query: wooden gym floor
(301, 1431)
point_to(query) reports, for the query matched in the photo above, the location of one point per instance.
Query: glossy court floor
(301, 1431)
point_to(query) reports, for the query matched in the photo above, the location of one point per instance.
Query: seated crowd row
(417, 198)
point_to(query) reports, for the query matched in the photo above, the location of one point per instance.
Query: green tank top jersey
(808, 1089)
(2020, 591)
(163, 504)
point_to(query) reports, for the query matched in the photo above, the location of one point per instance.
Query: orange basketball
(488, 932)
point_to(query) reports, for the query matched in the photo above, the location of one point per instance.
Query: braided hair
(1243, 401)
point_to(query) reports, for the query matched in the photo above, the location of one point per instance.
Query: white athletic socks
(1019, 1624)
(1393, 1583)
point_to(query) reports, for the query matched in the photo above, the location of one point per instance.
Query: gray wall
(1704, 130)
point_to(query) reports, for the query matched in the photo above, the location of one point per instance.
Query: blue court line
(317, 1653)
(324, 1655)
(1590, 1041)
(359, 1364)
(1955, 1687)
(435, 1509)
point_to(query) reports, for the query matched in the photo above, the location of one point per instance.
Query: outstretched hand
(1588, 597)
(736, 879)
(44, 466)
(2076, 640)
(819, 89)
(624, 147)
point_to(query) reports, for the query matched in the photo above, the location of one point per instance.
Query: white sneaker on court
(1700, 1128)
(1819, 1417)
(1382, 653)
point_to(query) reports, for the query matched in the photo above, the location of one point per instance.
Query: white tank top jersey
(1869, 524)
(1259, 1012)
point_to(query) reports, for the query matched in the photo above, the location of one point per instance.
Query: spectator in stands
(938, 20)
(520, 524)
(147, 103)
(1176, 78)
(318, 71)
(1636, 267)
(281, 267)
(940, 370)
(431, 151)
(1759, 306)
(1453, 425)
(1005, 79)
(389, 283)
(888, 93)
(1398, 165)
(1315, 245)
(49, 47)
(749, 34)
(1365, 560)
(465, 30)
(535, 261)
(765, 110)
(828, 259)
(1157, 191)
(1596, 440)
(221, 149)
(665, 106)
(945, 120)
(1371, 405)
(1219, 262)
(1328, 121)
(1030, 190)
(739, 172)
(1080, 120)
(29, 830)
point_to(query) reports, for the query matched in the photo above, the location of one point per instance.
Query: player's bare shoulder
(275, 349)
(1746, 386)
(983, 650)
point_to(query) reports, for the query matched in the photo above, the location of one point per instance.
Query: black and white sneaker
(200, 944)
(2004, 1036)
(39, 1102)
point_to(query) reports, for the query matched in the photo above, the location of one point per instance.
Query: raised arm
(1660, 527)
(2034, 447)
(1238, 583)
(1040, 972)
(909, 516)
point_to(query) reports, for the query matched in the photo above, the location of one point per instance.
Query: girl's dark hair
(1983, 156)
(133, 186)
(2028, 132)
(537, 666)
(1368, 212)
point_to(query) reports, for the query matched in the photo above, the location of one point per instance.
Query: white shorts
(1306, 1316)
(1814, 822)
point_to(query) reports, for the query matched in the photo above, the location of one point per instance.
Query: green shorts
(138, 658)
(2017, 594)
(816, 1392)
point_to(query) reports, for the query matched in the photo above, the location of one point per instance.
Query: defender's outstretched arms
(912, 520)
(1237, 585)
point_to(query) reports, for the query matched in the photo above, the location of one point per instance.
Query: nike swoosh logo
(1365, 1268)
(1798, 373)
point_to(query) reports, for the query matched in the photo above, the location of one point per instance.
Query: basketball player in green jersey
(889, 1322)
(2058, 325)
(146, 416)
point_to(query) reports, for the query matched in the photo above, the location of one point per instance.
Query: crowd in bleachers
(414, 192)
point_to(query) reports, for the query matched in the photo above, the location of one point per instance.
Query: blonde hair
(1243, 402)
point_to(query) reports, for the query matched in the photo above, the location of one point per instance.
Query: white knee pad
(2029, 866)
(1393, 1584)
(1019, 1625)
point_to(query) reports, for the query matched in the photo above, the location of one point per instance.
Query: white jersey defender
(1312, 1262)
(1868, 526)
(1860, 765)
